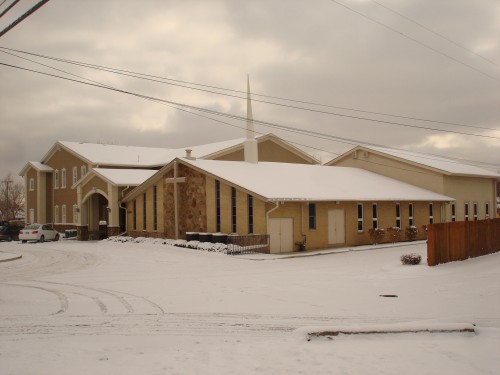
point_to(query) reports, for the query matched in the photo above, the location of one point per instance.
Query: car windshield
(32, 226)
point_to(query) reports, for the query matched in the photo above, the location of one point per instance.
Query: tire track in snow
(63, 300)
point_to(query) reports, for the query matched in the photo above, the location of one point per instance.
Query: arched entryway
(94, 212)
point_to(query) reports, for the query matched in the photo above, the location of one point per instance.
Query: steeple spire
(251, 149)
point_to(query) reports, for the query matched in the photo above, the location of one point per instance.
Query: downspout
(176, 208)
(277, 204)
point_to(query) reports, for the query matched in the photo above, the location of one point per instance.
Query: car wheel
(42, 239)
(56, 238)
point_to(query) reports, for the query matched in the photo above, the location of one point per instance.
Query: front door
(281, 233)
(336, 227)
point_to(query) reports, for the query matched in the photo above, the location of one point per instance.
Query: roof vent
(188, 155)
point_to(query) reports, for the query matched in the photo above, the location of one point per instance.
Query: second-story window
(56, 179)
(63, 178)
(32, 184)
(75, 175)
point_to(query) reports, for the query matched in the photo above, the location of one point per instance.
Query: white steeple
(251, 149)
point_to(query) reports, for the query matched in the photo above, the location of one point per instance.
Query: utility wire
(24, 16)
(434, 32)
(140, 76)
(189, 108)
(415, 40)
(184, 83)
(8, 8)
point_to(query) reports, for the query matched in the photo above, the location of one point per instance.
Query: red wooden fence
(447, 242)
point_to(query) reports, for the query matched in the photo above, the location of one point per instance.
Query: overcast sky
(311, 51)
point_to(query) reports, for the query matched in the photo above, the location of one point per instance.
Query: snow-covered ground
(145, 308)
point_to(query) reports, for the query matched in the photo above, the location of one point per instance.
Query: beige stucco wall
(398, 170)
(268, 151)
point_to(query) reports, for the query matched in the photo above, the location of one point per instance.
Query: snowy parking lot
(72, 307)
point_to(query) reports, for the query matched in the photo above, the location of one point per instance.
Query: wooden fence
(448, 242)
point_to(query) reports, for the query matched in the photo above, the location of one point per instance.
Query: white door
(281, 233)
(336, 227)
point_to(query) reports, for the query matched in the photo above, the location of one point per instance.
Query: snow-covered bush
(192, 244)
(411, 232)
(180, 243)
(394, 233)
(376, 235)
(411, 259)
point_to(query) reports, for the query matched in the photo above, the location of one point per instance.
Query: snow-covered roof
(446, 165)
(37, 166)
(125, 177)
(287, 182)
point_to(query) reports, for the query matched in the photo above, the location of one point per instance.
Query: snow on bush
(376, 235)
(197, 245)
(411, 232)
(411, 259)
(394, 233)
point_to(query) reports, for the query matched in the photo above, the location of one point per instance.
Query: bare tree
(11, 198)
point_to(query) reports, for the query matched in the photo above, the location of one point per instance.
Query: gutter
(277, 204)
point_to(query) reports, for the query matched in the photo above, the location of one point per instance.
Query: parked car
(39, 233)
(9, 232)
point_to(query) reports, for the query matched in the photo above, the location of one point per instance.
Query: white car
(39, 233)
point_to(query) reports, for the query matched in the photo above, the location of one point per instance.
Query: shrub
(394, 233)
(376, 235)
(411, 232)
(411, 259)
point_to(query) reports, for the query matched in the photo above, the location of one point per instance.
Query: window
(312, 215)
(75, 175)
(466, 211)
(144, 211)
(84, 170)
(233, 210)
(134, 213)
(475, 211)
(398, 215)
(155, 208)
(410, 214)
(453, 211)
(32, 215)
(487, 210)
(32, 184)
(431, 213)
(64, 214)
(374, 216)
(56, 179)
(75, 214)
(250, 213)
(63, 178)
(56, 214)
(217, 205)
(360, 217)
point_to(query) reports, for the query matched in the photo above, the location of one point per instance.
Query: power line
(416, 40)
(189, 108)
(9, 7)
(24, 16)
(435, 32)
(183, 84)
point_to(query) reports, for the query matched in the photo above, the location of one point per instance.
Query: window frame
(74, 177)
(466, 211)
(360, 214)
(144, 211)
(63, 214)
(250, 213)
(431, 213)
(56, 179)
(217, 206)
(398, 215)
(56, 214)
(312, 215)
(63, 178)
(155, 208)
(411, 213)
(233, 210)
(374, 216)
(453, 211)
(31, 184)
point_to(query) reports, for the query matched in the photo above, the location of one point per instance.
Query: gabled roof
(291, 182)
(36, 166)
(118, 177)
(436, 163)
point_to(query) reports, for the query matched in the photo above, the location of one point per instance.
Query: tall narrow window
(56, 179)
(32, 215)
(134, 213)
(487, 210)
(84, 170)
(155, 208)
(250, 213)
(410, 214)
(64, 214)
(431, 213)
(312, 215)
(63, 178)
(56, 214)
(398, 215)
(475, 211)
(466, 211)
(144, 213)
(360, 217)
(233, 210)
(453, 211)
(217, 205)
(374, 216)
(74, 178)
(32, 184)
